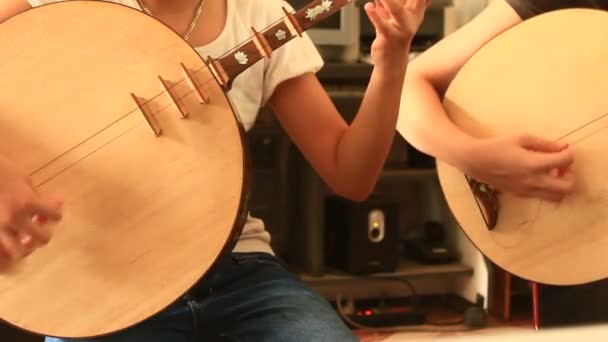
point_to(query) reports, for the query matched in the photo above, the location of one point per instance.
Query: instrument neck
(227, 67)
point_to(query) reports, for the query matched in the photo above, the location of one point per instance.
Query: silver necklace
(192, 25)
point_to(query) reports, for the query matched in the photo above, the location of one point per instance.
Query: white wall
(467, 9)
(462, 12)
(459, 14)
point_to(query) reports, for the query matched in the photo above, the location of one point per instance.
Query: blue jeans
(248, 297)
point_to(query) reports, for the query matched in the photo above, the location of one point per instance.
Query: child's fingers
(396, 10)
(381, 10)
(417, 5)
(379, 24)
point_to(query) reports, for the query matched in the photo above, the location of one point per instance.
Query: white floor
(577, 334)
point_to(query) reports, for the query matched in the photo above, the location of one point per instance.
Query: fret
(202, 97)
(278, 35)
(238, 60)
(292, 23)
(318, 10)
(261, 44)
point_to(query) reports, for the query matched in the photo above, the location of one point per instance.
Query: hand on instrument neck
(523, 164)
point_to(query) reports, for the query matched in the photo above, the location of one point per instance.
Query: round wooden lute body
(146, 216)
(547, 76)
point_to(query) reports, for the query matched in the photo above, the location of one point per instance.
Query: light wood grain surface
(145, 216)
(547, 76)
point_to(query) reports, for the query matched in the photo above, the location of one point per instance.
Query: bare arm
(9, 8)
(423, 121)
(350, 158)
(23, 212)
(515, 162)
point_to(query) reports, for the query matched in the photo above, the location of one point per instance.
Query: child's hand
(396, 22)
(24, 215)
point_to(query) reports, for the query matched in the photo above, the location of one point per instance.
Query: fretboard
(264, 42)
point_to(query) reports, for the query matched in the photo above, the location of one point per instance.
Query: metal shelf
(406, 269)
(408, 174)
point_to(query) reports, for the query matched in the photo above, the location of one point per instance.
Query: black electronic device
(363, 237)
(430, 247)
(388, 316)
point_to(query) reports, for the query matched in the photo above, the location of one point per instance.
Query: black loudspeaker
(430, 247)
(585, 304)
(361, 237)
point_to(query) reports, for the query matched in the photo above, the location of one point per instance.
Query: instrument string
(203, 83)
(582, 126)
(105, 144)
(136, 109)
(87, 155)
(537, 215)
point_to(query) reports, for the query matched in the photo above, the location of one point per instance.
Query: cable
(433, 326)
(400, 328)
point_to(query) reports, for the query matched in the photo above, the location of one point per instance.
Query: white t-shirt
(252, 88)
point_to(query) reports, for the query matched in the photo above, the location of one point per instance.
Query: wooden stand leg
(535, 305)
(500, 304)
